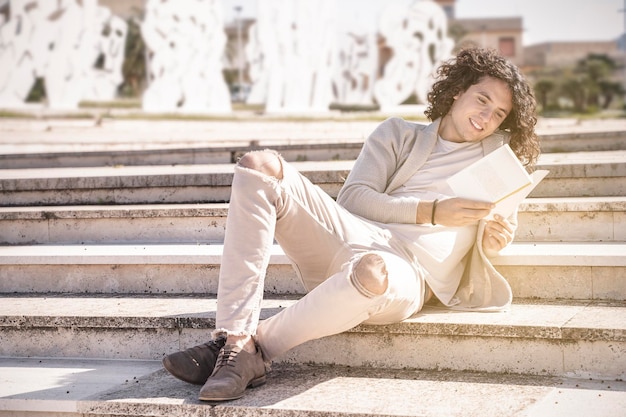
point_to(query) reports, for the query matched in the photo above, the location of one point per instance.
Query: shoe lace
(227, 357)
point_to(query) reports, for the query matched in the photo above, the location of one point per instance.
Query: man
(396, 237)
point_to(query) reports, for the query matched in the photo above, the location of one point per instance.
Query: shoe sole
(253, 384)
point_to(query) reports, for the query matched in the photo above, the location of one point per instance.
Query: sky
(554, 20)
(543, 20)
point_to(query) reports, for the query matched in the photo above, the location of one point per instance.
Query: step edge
(546, 253)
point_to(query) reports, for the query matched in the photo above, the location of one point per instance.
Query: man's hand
(454, 212)
(498, 234)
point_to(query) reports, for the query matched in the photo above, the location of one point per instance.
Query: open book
(497, 178)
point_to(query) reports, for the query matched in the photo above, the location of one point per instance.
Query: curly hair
(468, 68)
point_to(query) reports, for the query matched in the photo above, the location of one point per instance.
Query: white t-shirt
(440, 250)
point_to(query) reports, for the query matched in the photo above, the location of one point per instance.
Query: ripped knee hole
(369, 275)
(266, 162)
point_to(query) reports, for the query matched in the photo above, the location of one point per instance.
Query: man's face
(477, 112)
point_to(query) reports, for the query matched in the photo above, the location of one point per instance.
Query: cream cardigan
(390, 156)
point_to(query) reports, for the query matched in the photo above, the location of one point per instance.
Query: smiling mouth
(476, 125)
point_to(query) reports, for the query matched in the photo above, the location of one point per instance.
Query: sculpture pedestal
(404, 109)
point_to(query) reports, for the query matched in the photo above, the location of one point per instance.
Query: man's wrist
(433, 212)
(424, 212)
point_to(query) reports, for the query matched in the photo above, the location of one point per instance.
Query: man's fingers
(499, 233)
(476, 205)
(503, 225)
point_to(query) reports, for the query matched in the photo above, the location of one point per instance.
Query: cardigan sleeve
(364, 192)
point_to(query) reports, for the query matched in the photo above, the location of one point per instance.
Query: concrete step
(63, 154)
(217, 153)
(571, 175)
(149, 223)
(573, 141)
(540, 219)
(580, 339)
(66, 135)
(592, 270)
(581, 174)
(73, 388)
(597, 219)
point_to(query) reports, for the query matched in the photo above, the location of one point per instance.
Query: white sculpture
(59, 42)
(72, 56)
(186, 39)
(17, 64)
(291, 55)
(257, 73)
(110, 44)
(355, 72)
(418, 37)
(356, 66)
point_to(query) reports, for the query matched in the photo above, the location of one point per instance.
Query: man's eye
(481, 100)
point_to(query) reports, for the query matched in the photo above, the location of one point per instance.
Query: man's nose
(486, 115)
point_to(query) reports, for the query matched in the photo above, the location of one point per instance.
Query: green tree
(543, 87)
(589, 85)
(574, 89)
(595, 72)
(609, 90)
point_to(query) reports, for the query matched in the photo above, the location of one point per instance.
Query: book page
(491, 178)
(488, 184)
(497, 178)
(507, 205)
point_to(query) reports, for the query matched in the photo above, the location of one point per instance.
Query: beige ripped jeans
(324, 241)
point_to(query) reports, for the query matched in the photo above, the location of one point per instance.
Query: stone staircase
(105, 268)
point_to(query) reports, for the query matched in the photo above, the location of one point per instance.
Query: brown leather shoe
(195, 364)
(234, 371)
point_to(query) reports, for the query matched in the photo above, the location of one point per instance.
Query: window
(507, 46)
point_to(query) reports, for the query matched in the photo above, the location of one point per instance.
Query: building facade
(502, 34)
(563, 54)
